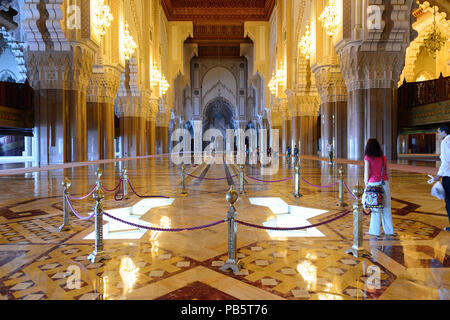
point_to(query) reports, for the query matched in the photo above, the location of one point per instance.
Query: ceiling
(218, 10)
(218, 24)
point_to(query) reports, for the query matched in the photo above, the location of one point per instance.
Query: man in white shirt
(444, 170)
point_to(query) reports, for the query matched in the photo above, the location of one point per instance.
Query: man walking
(444, 170)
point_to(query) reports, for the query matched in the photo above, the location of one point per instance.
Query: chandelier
(278, 79)
(159, 79)
(329, 18)
(163, 85)
(435, 40)
(156, 76)
(273, 85)
(128, 45)
(102, 18)
(305, 44)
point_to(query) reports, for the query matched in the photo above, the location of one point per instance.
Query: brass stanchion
(241, 180)
(125, 183)
(66, 210)
(297, 181)
(357, 249)
(341, 188)
(98, 254)
(98, 174)
(183, 177)
(232, 263)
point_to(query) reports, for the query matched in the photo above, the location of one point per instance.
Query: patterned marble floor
(38, 262)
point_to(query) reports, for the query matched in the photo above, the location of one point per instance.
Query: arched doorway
(218, 115)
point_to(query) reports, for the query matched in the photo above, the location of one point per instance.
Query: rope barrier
(118, 192)
(349, 191)
(129, 183)
(211, 179)
(84, 197)
(164, 230)
(270, 181)
(293, 229)
(323, 187)
(113, 190)
(76, 213)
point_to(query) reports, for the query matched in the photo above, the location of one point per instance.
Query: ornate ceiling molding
(214, 10)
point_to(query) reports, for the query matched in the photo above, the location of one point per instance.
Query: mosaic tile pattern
(299, 272)
(129, 269)
(417, 256)
(38, 263)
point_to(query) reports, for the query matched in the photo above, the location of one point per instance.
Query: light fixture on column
(128, 44)
(101, 18)
(330, 18)
(273, 85)
(163, 85)
(281, 75)
(156, 76)
(159, 80)
(435, 40)
(278, 79)
(306, 44)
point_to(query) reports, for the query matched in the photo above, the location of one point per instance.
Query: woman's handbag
(373, 195)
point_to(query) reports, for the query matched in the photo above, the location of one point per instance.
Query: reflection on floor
(38, 262)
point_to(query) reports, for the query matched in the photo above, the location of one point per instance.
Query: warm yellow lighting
(105, 288)
(435, 41)
(159, 79)
(278, 79)
(101, 18)
(156, 76)
(273, 85)
(128, 273)
(421, 78)
(329, 296)
(281, 75)
(164, 85)
(306, 44)
(165, 223)
(128, 44)
(329, 18)
(308, 272)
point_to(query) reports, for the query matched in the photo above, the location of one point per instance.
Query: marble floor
(39, 262)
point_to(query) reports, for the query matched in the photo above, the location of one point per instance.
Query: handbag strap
(382, 170)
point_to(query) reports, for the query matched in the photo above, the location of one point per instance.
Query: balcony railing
(424, 103)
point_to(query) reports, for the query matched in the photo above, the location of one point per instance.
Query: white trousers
(382, 216)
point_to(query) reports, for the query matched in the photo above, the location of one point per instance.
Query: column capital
(68, 70)
(330, 83)
(300, 104)
(104, 84)
(371, 69)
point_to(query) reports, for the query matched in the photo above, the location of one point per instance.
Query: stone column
(141, 134)
(102, 90)
(327, 126)
(152, 127)
(308, 125)
(295, 131)
(340, 129)
(356, 117)
(372, 86)
(60, 80)
(158, 140)
(371, 64)
(333, 99)
(129, 121)
(165, 139)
